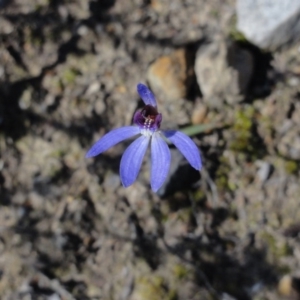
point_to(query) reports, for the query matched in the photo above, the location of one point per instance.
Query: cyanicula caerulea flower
(147, 123)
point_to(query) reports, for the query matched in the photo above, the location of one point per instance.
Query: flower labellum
(147, 126)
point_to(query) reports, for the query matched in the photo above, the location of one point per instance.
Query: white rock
(93, 88)
(269, 24)
(54, 297)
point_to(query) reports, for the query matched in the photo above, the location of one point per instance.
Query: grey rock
(111, 182)
(223, 71)
(269, 24)
(6, 27)
(226, 296)
(289, 145)
(264, 171)
(53, 297)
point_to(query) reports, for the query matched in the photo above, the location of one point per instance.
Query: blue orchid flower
(147, 123)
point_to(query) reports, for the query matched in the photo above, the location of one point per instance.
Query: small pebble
(285, 285)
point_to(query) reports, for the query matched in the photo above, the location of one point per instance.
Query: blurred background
(225, 72)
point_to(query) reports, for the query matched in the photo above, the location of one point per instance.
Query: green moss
(70, 75)
(154, 288)
(41, 5)
(291, 166)
(164, 218)
(242, 130)
(237, 36)
(58, 153)
(222, 180)
(243, 119)
(232, 186)
(284, 250)
(180, 271)
(277, 248)
(244, 137)
(233, 33)
(198, 196)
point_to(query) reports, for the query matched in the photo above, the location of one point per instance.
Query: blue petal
(146, 94)
(160, 161)
(112, 138)
(186, 146)
(132, 160)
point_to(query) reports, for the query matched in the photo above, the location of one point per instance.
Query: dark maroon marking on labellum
(149, 112)
(148, 118)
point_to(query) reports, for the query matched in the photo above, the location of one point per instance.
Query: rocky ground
(69, 230)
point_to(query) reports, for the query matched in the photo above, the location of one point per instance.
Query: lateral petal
(146, 95)
(132, 160)
(186, 146)
(160, 161)
(112, 138)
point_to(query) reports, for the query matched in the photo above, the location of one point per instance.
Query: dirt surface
(69, 230)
